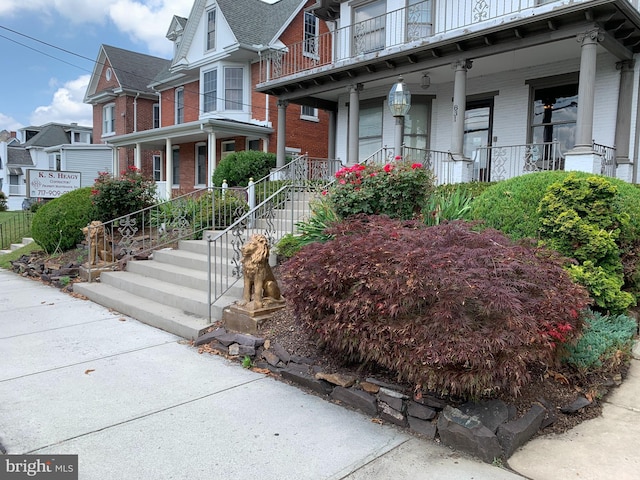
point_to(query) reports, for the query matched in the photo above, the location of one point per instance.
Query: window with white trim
(369, 27)
(179, 105)
(211, 29)
(156, 115)
(308, 113)
(233, 88)
(311, 28)
(157, 168)
(201, 164)
(227, 148)
(176, 167)
(109, 119)
(209, 91)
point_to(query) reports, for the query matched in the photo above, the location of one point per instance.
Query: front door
(478, 120)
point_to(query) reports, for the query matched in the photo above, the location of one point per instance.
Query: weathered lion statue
(99, 247)
(260, 286)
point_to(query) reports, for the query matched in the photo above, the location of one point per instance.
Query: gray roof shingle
(18, 156)
(134, 70)
(49, 135)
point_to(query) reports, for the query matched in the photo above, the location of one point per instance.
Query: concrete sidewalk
(135, 402)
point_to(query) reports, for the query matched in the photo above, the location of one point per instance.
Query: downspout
(135, 112)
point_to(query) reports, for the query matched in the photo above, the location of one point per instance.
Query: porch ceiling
(499, 48)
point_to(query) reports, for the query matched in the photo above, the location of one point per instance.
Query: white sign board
(51, 183)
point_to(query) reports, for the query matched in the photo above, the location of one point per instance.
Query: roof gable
(51, 134)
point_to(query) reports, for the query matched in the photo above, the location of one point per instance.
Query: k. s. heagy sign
(51, 183)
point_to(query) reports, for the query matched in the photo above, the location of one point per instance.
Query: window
(157, 168)
(108, 119)
(555, 111)
(107, 74)
(201, 165)
(176, 167)
(309, 113)
(416, 124)
(370, 127)
(233, 88)
(210, 91)
(253, 145)
(211, 29)
(310, 35)
(179, 105)
(369, 27)
(76, 137)
(156, 115)
(227, 148)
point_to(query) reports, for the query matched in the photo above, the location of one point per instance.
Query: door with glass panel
(477, 137)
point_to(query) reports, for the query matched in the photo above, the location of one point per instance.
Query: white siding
(88, 163)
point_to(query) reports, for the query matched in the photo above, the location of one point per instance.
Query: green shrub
(447, 204)
(3, 202)
(396, 189)
(116, 197)
(603, 339)
(580, 218)
(445, 307)
(288, 246)
(226, 210)
(57, 225)
(469, 189)
(238, 167)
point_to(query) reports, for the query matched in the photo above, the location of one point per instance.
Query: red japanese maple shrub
(447, 308)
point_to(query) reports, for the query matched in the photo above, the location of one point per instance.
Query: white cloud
(148, 22)
(9, 123)
(66, 105)
(78, 11)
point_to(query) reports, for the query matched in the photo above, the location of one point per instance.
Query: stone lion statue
(99, 247)
(260, 286)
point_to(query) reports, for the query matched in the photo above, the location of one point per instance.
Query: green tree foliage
(238, 167)
(445, 307)
(116, 197)
(58, 224)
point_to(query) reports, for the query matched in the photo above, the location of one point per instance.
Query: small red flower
(388, 167)
(398, 158)
(324, 192)
(416, 165)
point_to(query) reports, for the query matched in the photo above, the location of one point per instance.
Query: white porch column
(331, 140)
(582, 157)
(353, 142)
(462, 168)
(168, 168)
(281, 141)
(137, 162)
(623, 120)
(211, 156)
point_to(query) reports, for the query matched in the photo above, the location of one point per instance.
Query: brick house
(498, 88)
(178, 121)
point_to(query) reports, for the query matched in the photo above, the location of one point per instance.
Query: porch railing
(409, 26)
(439, 162)
(608, 159)
(220, 215)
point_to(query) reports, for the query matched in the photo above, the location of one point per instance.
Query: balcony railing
(406, 27)
(608, 156)
(495, 163)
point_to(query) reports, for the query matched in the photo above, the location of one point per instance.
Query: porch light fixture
(425, 81)
(399, 104)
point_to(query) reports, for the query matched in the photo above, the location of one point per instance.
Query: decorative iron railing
(608, 156)
(406, 27)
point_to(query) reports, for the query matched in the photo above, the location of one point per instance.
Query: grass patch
(7, 258)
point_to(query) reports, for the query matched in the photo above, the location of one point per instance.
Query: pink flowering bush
(397, 189)
(115, 197)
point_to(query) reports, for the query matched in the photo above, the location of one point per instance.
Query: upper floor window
(108, 119)
(308, 113)
(311, 24)
(211, 29)
(418, 19)
(210, 91)
(233, 88)
(369, 27)
(156, 115)
(179, 105)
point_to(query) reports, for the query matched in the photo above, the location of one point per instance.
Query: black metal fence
(13, 227)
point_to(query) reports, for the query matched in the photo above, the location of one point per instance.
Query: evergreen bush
(57, 225)
(445, 307)
(238, 167)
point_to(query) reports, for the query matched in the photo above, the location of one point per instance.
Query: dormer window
(211, 29)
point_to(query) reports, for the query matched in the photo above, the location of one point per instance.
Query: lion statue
(99, 246)
(260, 286)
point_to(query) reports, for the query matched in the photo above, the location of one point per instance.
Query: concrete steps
(16, 246)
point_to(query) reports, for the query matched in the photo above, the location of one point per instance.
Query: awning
(15, 171)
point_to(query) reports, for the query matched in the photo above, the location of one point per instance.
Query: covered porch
(181, 158)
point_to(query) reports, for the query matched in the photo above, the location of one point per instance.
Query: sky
(36, 88)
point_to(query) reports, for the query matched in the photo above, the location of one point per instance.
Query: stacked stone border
(490, 430)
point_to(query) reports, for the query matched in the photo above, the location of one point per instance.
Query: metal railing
(14, 227)
(493, 163)
(440, 163)
(410, 26)
(608, 156)
(222, 216)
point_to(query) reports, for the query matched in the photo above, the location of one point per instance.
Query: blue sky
(37, 89)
